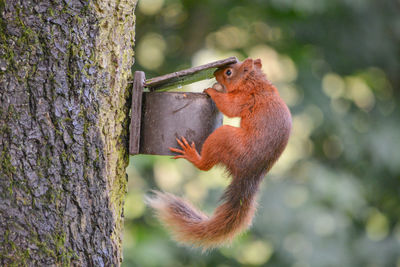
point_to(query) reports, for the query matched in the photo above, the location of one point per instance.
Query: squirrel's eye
(228, 72)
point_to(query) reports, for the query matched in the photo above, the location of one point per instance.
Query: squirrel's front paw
(208, 91)
(188, 151)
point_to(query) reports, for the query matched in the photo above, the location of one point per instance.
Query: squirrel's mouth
(219, 87)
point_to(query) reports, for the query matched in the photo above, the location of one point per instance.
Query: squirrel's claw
(176, 150)
(185, 142)
(178, 157)
(180, 143)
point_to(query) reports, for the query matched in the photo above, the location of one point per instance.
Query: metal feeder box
(159, 117)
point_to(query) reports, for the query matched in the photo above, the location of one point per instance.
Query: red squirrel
(248, 153)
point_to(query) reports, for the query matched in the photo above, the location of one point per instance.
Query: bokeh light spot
(255, 253)
(316, 114)
(134, 205)
(377, 226)
(278, 68)
(265, 32)
(290, 94)
(214, 178)
(324, 224)
(333, 85)
(299, 147)
(174, 14)
(298, 245)
(195, 190)
(230, 37)
(360, 93)
(341, 105)
(167, 175)
(378, 80)
(150, 51)
(296, 196)
(150, 7)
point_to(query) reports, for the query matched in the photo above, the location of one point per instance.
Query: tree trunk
(64, 67)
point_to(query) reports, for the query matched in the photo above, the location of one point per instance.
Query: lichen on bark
(115, 56)
(64, 67)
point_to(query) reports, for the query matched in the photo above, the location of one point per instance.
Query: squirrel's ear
(257, 63)
(247, 65)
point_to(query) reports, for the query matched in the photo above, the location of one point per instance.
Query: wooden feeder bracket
(158, 117)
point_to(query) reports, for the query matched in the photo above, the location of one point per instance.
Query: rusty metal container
(170, 115)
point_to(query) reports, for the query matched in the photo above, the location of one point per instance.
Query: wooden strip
(187, 76)
(136, 112)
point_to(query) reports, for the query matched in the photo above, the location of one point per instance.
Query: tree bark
(64, 67)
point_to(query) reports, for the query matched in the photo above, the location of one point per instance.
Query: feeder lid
(187, 76)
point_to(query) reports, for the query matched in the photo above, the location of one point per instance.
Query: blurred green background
(333, 198)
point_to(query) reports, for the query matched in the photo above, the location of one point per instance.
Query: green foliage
(333, 197)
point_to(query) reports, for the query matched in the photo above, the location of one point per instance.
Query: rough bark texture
(64, 67)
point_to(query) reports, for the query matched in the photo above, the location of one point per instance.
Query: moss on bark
(64, 67)
(115, 55)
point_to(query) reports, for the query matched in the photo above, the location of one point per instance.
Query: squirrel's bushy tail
(190, 226)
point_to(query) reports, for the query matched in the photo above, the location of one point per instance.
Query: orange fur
(247, 152)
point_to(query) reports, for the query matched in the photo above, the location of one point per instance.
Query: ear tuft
(247, 65)
(257, 63)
